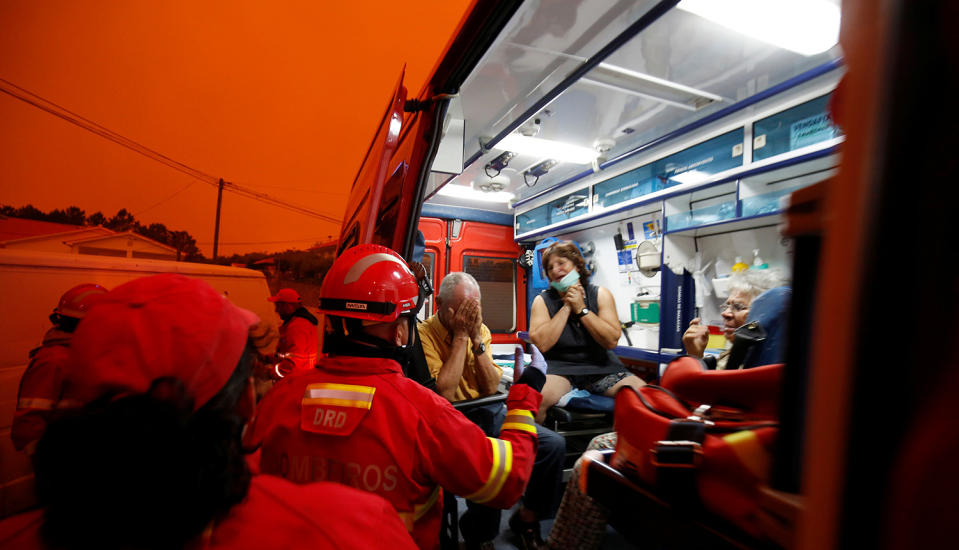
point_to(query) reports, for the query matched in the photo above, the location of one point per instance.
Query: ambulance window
(429, 260)
(497, 281)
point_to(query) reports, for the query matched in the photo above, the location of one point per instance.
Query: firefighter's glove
(534, 375)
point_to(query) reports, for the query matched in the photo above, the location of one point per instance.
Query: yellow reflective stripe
(343, 395)
(345, 387)
(750, 452)
(338, 402)
(521, 427)
(499, 471)
(407, 519)
(420, 509)
(35, 403)
(519, 419)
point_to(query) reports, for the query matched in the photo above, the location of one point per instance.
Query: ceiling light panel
(807, 27)
(470, 194)
(547, 149)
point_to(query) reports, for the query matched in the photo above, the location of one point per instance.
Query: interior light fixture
(547, 148)
(396, 123)
(807, 27)
(491, 187)
(495, 166)
(614, 77)
(537, 171)
(495, 183)
(468, 193)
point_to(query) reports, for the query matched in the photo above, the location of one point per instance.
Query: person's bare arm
(451, 372)
(544, 330)
(487, 373)
(603, 326)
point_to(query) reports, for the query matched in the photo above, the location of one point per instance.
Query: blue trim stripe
(638, 354)
(467, 214)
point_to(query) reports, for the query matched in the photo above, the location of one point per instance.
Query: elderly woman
(743, 289)
(574, 324)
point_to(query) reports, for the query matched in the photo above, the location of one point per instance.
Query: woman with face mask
(575, 325)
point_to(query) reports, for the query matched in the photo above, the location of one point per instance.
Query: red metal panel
(434, 233)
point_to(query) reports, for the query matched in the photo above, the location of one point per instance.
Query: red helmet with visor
(77, 301)
(369, 282)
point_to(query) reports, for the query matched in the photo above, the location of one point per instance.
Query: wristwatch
(480, 349)
(582, 313)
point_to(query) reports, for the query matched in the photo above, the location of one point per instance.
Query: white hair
(754, 282)
(449, 284)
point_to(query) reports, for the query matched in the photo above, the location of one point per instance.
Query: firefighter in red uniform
(298, 340)
(357, 420)
(154, 459)
(42, 383)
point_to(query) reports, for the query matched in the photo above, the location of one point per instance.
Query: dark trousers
(481, 523)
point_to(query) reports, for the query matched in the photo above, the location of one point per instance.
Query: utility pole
(216, 229)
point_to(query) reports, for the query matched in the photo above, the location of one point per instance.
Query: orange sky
(281, 97)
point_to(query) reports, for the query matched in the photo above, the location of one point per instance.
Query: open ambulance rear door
(387, 194)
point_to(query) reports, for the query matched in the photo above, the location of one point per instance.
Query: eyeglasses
(735, 306)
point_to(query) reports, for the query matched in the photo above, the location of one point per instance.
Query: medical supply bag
(703, 439)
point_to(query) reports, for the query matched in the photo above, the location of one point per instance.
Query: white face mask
(567, 281)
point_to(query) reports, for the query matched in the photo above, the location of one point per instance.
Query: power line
(263, 197)
(300, 189)
(59, 111)
(166, 199)
(62, 112)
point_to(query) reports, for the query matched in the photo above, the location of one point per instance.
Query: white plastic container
(721, 287)
(644, 335)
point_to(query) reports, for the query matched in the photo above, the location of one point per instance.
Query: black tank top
(576, 352)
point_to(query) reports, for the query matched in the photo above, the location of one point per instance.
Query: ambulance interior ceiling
(678, 70)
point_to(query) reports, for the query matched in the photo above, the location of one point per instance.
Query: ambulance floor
(506, 541)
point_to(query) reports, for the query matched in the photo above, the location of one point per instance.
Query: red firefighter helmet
(77, 301)
(369, 282)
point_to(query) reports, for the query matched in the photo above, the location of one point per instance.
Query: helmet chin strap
(361, 344)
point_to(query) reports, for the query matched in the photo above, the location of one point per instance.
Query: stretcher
(648, 521)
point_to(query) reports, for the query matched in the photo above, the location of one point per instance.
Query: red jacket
(275, 514)
(298, 340)
(41, 388)
(359, 421)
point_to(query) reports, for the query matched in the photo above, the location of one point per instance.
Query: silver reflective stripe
(359, 267)
(339, 394)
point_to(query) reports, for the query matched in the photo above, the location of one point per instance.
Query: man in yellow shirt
(456, 344)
